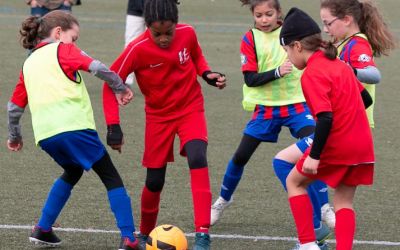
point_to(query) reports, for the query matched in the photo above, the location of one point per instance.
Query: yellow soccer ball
(166, 237)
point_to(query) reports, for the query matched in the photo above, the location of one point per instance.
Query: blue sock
(232, 177)
(322, 190)
(120, 204)
(55, 202)
(282, 169)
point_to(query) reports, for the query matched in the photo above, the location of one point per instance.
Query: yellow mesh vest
(369, 87)
(57, 104)
(283, 91)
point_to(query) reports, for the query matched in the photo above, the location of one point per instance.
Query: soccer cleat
(218, 208)
(127, 244)
(323, 246)
(309, 246)
(328, 216)
(142, 240)
(322, 233)
(45, 238)
(202, 241)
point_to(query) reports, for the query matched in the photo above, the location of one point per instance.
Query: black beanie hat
(297, 25)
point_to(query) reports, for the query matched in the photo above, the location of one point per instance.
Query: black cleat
(45, 238)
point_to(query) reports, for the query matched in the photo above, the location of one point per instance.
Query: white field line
(221, 236)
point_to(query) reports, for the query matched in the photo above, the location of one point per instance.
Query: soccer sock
(201, 195)
(345, 228)
(302, 214)
(120, 204)
(322, 190)
(149, 208)
(282, 169)
(232, 177)
(55, 202)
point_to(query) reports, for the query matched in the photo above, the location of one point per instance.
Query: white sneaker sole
(43, 243)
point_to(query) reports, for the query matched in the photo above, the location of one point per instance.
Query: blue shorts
(82, 148)
(268, 130)
(305, 143)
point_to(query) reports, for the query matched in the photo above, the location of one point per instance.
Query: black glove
(212, 82)
(114, 134)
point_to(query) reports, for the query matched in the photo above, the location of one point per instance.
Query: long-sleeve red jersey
(167, 77)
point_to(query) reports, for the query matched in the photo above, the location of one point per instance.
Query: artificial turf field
(260, 216)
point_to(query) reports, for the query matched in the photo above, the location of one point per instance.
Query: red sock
(201, 195)
(303, 217)
(345, 228)
(149, 208)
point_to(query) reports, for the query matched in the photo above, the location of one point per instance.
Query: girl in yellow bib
(62, 119)
(272, 91)
(360, 33)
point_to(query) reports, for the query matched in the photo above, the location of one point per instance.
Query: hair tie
(39, 20)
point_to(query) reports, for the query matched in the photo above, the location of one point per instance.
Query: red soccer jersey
(248, 53)
(71, 59)
(330, 86)
(166, 77)
(358, 53)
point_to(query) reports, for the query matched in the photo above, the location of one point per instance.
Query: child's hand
(125, 97)
(15, 145)
(215, 79)
(310, 165)
(285, 68)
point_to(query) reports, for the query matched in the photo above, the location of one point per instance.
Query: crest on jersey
(243, 59)
(364, 58)
(183, 56)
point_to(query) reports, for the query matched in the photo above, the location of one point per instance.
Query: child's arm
(15, 109)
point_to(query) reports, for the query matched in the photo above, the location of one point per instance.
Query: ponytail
(29, 32)
(372, 24)
(34, 29)
(330, 49)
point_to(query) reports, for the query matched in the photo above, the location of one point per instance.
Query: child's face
(67, 36)
(333, 25)
(162, 33)
(266, 17)
(295, 55)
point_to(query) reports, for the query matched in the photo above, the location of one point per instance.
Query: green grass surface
(260, 207)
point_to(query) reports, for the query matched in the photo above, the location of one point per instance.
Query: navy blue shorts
(82, 148)
(268, 130)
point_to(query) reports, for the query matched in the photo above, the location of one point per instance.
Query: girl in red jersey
(360, 33)
(166, 60)
(342, 153)
(62, 119)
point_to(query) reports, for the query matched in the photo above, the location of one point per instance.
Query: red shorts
(333, 175)
(160, 136)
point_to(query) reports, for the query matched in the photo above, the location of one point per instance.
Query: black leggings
(196, 151)
(249, 144)
(104, 168)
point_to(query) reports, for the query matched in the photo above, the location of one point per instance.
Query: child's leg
(345, 217)
(150, 200)
(119, 199)
(59, 195)
(196, 151)
(283, 163)
(300, 205)
(235, 167)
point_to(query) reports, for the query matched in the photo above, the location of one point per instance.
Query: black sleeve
(367, 99)
(322, 130)
(254, 79)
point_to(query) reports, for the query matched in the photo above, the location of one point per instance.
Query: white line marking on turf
(221, 236)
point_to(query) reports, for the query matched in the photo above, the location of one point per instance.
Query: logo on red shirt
(183, 56)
